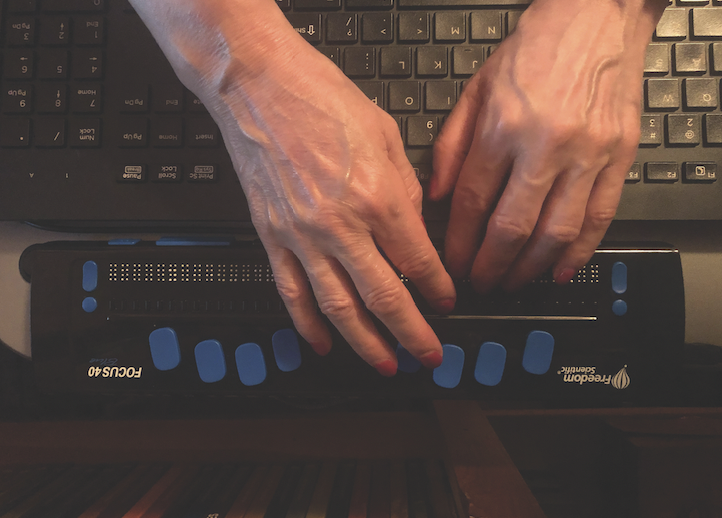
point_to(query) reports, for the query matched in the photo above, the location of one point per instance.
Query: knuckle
(513, 230)
(600, 218)
(416, 266)
(337, 309)
(291, 293)
(563, 234)
(386, 300)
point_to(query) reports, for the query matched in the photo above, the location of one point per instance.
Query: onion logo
(621, 379)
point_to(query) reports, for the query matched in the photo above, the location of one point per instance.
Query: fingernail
(322, 349)
(565, 275)
(386, 368)
(431, 360)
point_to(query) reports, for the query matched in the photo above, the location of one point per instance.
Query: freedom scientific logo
(586, 375)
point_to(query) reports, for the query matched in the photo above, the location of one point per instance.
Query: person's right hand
(332, 195)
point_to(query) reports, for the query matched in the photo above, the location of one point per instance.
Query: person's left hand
(537, 149)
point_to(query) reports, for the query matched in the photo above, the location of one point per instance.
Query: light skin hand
(331, 192)
(538, 146)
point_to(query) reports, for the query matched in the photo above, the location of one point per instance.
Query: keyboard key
(210, 361)
(359, 62)
(440, 95)
(55, 31)
(168, 98)
(307, 25)
(699, 172)
(84, 133)
(404, 96)
(662, 94)
(317, 5)
(414, 27)
(662, 172)
(88, 64)
(713, 128)
(15, 132)
(22, 6)
(331, 53)
(51, 98)
(18, 99)
(707, 22)
(656, 60)
(374, 90)
(167, 132)
(369, 4)
(684, 129)
(133, 133)
(396, 61)
(512, 19)
(203, 173)
(421, 130)
(690, 58)
(652, 130)
(490, 364)
(195, 105)
(134, 99)
(377, 28)
(450, 26)
(486, 26)
(89, 31)
(87, 99)
(701, 93)
(673, 24)
(49, 132)
(53, 64)
(432, 61)
(341, 28)
(73, 6)
(19, 64)
(467, 60)
(202, 133)
(20, 31)
(166, 173)
(460, 3)
(634, 174)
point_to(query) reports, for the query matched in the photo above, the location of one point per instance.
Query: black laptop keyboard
(96, 131)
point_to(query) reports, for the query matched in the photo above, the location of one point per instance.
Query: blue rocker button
(619, 308)
(538, 352)
(406, 362)
(164, 349)
(250, 364)
(210, 361)
(448, 374)
(619, 277)
(490, 364)
(286, 350)
(89, 304)
(90, 276)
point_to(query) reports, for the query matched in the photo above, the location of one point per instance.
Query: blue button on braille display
(286, 350)
(538, 352)
(619, 277)
(124, 241)
(406, 362)
(210, 361)
(89, 304)
(448, 374)
(164, 349)
(490, 364)
(250, 364)
(619, 308)
(90, 276)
